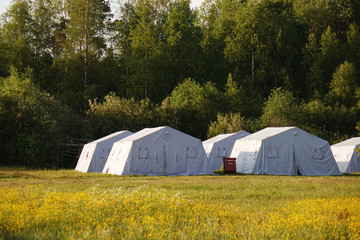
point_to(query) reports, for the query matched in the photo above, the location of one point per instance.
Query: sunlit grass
(149, 213)
(70, 205)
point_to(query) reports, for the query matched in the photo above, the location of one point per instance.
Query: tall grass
(70, 205)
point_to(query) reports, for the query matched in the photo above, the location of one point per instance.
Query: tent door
(158, 163)
(295, 162)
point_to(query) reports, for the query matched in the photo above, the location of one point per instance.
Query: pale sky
(4, 4)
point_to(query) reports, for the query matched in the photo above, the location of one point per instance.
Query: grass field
(66, 204)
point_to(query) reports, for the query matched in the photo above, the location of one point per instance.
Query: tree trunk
(252, 63)
(86, 47)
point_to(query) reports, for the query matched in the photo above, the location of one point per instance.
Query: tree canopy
(227, 66)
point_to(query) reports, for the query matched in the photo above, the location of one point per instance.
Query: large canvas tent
(94, 154)
(346, 156)
(220, 146)
(157, 151)
(284, 151)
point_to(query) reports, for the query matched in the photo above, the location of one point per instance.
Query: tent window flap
(221, 152)
(143, 153)
(317, 153)
(272, 152)
(191, 152)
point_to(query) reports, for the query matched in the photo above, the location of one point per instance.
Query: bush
(231, 122)
(191, 106)
(280, 109)
(33, 122)
(329, 122)
(344, 85)
(115, 114)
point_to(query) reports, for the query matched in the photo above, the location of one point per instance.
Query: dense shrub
(115, 114)
(280, 109)
(33, 122)
(231, 122)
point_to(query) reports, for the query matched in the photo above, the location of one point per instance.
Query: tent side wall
(247, 154)
(346, 158)
(208, 148)
(197, 165)
(94, 154)
(283, 153)
(354, 165)
(278, 156)
(217, 150)
(86, 157)
(164, 152)
(140, 158)
(100, 156)
(313, 155)
(343, 156)
(118, 157)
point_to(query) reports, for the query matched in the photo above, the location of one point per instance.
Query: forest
(82, 69)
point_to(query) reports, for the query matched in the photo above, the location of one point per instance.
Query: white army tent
(284, 151)
(346, 156)
(157, 151)
(94, 154)
(220, 146)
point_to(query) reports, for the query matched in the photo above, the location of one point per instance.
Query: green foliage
(33, 122)
(238, 100)
(264, 44)
(280, 110)
(315, 115)
(353, 45)
(344, 85)
(328, 122)
(187, 95)
(145, 51)
(183, 39)
(17, 34)
(317, 15)
(229, 123)
(216, 21)
(186, 103)
(87, 19)
(358, 126)
(235, 95)
(231, 53)
(324, 57)
(193, 106)
(215, 101)
(115, 114)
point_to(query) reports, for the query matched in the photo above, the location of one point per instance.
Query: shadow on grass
(354, 174)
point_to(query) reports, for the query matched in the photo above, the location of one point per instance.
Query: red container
(229, 165)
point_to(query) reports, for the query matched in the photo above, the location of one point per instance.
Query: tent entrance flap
(296, 163)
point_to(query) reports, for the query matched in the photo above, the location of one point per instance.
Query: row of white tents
(151, 151)
(166, 151)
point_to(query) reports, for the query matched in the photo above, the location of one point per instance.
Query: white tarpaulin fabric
(157, 151)
(221, 146)
(284, 151)
(94, 154)
(346, 156)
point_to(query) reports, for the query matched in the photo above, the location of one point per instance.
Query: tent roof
(267, 133)
(148, 131)
(350, 142)
(224, 136)
(108, 136)
(142, 133)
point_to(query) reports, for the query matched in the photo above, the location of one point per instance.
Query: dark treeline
(71, 69)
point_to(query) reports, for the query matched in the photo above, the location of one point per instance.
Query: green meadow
(64, 204)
